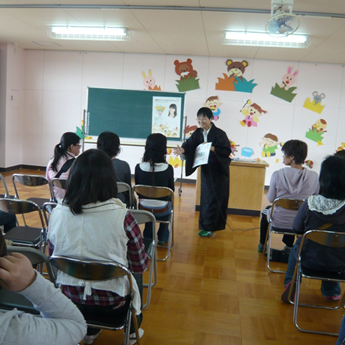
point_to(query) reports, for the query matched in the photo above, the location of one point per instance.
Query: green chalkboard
(128, 113)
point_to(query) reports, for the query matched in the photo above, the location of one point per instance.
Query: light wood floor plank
(218, 291)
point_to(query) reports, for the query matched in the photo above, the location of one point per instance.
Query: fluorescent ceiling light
(99, 33)
(261, 39)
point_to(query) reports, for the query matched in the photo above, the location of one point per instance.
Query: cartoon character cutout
(213, 103)
(315, 104)
(149, 82)
(190, 130)
(315, 133)
(309, 163)
(269, 145)
(288, 79)
(235, 80)
(251, 113)
(233, 148)
(188, 76)
(341, 147)
(285, 89)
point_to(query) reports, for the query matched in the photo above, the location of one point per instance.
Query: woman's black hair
(155, 150)
(61, 149)
(296, 148)
(92, 178)
(109, 142)
(204, 111)
(332, 178)
(173, 106)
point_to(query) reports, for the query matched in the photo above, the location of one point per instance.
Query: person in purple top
(293, 181)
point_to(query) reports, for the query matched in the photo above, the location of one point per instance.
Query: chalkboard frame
(117, 110)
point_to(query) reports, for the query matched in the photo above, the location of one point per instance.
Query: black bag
(279, 255)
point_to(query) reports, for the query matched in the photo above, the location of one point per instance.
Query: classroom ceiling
(178, 27)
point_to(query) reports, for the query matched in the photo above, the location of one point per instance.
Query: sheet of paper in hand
(201, 154)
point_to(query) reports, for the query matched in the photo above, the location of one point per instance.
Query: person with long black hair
(214, 175)
(155, 171)
(92, 224)
(65, 153)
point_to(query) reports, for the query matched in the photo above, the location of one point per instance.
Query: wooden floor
(217, 291)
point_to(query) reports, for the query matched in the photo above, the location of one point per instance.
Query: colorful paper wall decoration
(188, 76)
(213, 103)
(251, 112)
(149, 82)
(190, 130)
(316, 131)
(341, 147)
(269, 145)
(285, 91)
(235, 80)
(315, 104)
(233, 148)
(309, 163)
(247, 152)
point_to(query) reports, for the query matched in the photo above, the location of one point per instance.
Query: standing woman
(155, 171)
(214, 175)
(64, 156)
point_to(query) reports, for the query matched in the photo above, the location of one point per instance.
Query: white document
(202, 153)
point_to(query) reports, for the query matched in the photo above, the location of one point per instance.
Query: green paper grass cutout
(187, 84)
(314, 136)
(244, 85)
(286, 95)
(79, 132)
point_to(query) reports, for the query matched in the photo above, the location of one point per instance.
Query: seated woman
(295, 182)
(326, 208)
(109, 142)
(64, 156)
(155, 171)
(91, 223)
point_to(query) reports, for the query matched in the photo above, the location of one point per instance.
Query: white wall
(11, 107)
(55, 89)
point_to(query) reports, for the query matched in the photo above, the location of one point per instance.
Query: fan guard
(282, 24)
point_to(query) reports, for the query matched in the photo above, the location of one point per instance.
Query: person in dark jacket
(326, 210)
(214, 175)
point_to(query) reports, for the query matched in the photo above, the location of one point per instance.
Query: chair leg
(296, 305)
(268, 252)
(169, 242)
(149, 285)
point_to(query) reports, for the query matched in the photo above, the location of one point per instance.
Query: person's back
(290, 183)
(93, 224)
(155, 171)
(109, 142)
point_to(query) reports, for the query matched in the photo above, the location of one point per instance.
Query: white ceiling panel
(175, 32)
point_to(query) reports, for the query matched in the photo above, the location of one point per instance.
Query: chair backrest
(91, 270)
(30, 181)
(287, 203)
(47, 208)
(125, 187)
(154, 192)
(142, 217)
(59, 182)
(327, 238)
(17, 206)
(35, 256)
(7, 194)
